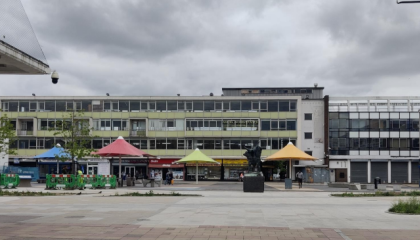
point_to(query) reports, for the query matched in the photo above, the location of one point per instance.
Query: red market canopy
(119, 148)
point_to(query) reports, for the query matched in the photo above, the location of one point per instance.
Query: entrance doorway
(341, 175)
(130, 171)
(92, 170)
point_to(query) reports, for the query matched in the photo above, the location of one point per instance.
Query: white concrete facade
(316, 127)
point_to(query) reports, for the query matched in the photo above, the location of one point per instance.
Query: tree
(7, 135)
(76, 133)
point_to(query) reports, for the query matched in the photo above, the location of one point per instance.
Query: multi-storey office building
(374, 137)
(170, 128)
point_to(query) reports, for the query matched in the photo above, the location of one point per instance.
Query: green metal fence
(61, 181)
(70, 181)
(9, 180)
(107, 181)
(88, 181)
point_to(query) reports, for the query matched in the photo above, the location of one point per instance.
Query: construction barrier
(9, 180)
(88, 181)
(61, 181)
(105, 181)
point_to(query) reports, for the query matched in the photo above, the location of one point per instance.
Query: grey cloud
(197, 47)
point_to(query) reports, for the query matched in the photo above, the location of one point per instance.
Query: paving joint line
(342, 234)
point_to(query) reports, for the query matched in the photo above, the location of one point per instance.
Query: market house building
(374, 137)
(223, 127)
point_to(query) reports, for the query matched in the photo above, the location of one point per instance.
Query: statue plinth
(253, 182)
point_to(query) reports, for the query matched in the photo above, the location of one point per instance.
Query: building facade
(373, 137)
(222, 127)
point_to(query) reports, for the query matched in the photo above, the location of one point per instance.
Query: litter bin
(288, 183)
(129, 181)
(377, 181)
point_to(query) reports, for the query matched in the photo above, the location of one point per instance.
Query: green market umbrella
(196, 157)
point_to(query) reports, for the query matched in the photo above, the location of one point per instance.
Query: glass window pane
(172, 106)
(235, 144)
(208, 106)
(181, 105)
(246, 105)
(265, 125)
(291, 124)
(274, 124)
(226, 106)
(284, 106)
(235, 106)
(60, 106)
(135, 106)
(124, 106)
(209, 144)
(198, 105)
(273, 106)
(160, 105)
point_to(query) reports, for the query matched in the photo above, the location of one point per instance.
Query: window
(308, 135)
(161, 106)
(209, 106)
(291, 124)
(273, 106)
(198, 106)
(143, 105)
(172, 106)
(124, 106)
(309, 152)
(235, 106)
(308, 116)
(265, 125)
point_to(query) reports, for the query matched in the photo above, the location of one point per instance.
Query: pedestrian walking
(167, 180)
(171, 177)
(299, 176)
(137, 175)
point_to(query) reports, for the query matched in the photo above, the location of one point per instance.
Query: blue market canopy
(53, 152)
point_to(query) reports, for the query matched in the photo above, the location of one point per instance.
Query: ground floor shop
(159, 168)
(226, 170)
(130, 167)
(51, 166)
(366, 170)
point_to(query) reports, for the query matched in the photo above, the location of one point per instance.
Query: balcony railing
(25, 132)
(138, 133)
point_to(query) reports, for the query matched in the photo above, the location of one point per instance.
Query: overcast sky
(135, 47)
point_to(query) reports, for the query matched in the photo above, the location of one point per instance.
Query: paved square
(218, 214)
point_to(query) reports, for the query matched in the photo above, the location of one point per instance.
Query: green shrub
(411, 206)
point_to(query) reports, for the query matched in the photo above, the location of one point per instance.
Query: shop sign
(162, 161)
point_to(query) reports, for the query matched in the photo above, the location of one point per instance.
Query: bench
(381, 187)
(25, 181)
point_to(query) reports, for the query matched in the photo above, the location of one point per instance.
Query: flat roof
(15, 61)
(256, 88)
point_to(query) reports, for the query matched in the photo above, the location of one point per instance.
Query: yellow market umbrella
(288, 153)
(196, 157)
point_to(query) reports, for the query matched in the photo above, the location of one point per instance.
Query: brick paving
(131, 232)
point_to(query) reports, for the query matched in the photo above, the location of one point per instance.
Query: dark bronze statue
(254, 158)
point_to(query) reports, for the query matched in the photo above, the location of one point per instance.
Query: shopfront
(159, 167)
(234, 168)
(205, 171)
(130, 166)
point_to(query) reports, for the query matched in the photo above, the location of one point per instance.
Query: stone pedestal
(253, 183)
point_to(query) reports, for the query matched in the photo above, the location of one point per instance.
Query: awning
(166, 166)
